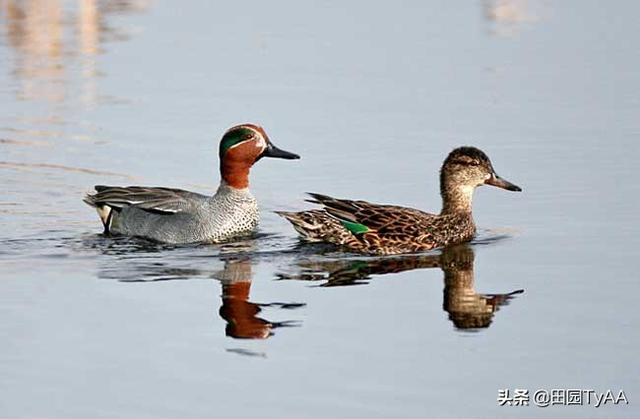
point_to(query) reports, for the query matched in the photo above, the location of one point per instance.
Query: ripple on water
(134, 260)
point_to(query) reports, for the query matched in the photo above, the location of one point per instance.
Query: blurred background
(373, 96)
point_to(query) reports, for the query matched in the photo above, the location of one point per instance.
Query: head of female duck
(241, 146)
(464, 169)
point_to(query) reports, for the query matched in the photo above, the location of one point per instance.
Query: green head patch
(233, 137)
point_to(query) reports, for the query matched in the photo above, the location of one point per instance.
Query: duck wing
(152, 199)
(385, 220)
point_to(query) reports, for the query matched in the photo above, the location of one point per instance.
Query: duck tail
(311, 225)
(105, 212)
(89, 200)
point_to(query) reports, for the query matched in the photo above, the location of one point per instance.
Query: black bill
(275, 152)
(496, 180)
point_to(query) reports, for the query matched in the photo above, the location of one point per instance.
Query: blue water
(372, 97)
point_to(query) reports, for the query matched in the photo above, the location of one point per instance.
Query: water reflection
(467, 309)
(241, 314)
(134, 260)
(48, 37)
(141, 261)
(507, 16)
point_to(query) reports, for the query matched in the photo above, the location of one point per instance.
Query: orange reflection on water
(236, 309)
(241, 314)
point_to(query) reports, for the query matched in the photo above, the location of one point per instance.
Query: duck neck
(456, 199)
(458, 278)
(235, 173)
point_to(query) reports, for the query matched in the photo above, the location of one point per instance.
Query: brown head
(464, 169)
(242, 146)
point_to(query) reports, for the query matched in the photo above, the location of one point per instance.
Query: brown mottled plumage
(387, 229)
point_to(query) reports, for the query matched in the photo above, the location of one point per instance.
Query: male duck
(386, 229)
(177, 216)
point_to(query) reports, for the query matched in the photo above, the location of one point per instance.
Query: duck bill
(277, 153)
(499, 182)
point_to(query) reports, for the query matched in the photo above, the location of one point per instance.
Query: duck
(364, 227)
(176, 216)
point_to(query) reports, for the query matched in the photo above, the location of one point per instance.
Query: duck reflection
(467, 309)
(241, 314)
(140, 261)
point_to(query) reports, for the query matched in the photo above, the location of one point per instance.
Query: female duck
(177, 216)
(386, 229)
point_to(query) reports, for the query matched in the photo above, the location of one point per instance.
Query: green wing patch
(355, 228)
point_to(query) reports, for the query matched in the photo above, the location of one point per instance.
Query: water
(373, 97)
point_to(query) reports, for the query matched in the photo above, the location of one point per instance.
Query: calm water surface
(373, 97)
